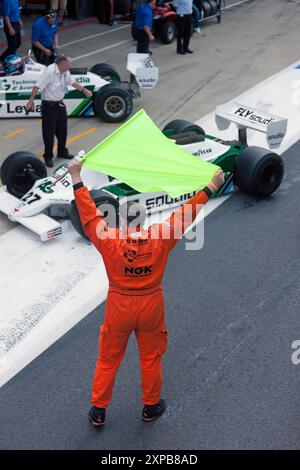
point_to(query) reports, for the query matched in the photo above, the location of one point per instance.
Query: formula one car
(111, 100)
(38, 202)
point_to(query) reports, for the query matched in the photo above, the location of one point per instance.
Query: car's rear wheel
(108, 206)
(258, 172)
(178, 126)
(113, 103)
(106, 71)
(20, 171)
(168, 32)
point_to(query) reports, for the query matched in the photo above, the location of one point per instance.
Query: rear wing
(142, 67)
(245, 117)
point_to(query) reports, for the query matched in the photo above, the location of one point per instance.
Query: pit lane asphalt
(232, 312)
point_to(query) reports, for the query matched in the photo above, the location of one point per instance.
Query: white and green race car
(41, 202)
(112, 99)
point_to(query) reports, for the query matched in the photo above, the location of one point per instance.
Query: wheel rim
(115, 106)
(170, 33)
(25, 178)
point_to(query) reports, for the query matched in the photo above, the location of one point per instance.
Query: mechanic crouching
(53, 85)
(44, 38)
(135, 260)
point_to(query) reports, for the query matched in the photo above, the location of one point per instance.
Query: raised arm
(91, 218)
(175, 226)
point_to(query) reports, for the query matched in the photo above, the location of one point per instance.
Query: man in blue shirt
(12, 26)
(44, 38)
(143, 25)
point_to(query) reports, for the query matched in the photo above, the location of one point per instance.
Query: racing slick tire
(205, 8)
(106, 71)
(19, 172)
(168, 32)
(213, 6)
(113, 103)
(258, 172)
(100, 198)
(181, 125)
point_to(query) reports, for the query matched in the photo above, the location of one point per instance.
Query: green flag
(138, 154)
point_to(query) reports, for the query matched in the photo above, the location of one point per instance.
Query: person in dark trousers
(53, 85)
(143, 26)
(105, 11)
(135, 261)
(44, 38)
(184, 10)
(12, 26)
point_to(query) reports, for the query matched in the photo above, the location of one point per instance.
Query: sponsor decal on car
(167, 200)
(251, 116)
(17, 84)
(82, 80)
(11, 108)
(202, 152)
(54, 233)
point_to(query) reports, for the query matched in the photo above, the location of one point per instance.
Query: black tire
(181, 125)
(106, 71)
(19, 172)
(100, 198)
(168, 32)
(213, 6)
(205, 8)
(113, 103)
(258, 171)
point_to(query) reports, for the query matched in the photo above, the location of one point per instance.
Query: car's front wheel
(178, 126)
(108, 206)
(113, 103)
(20, 171)
(258, 172)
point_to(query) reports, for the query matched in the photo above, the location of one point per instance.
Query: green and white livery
(112, 99)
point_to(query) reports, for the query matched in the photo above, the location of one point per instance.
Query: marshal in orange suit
(135, 260)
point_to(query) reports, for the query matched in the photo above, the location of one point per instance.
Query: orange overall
(135, 264)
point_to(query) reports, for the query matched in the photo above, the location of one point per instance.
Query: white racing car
(111, 100)
(45, 201)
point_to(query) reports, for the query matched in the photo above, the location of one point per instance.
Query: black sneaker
(188, 51)
(66, 156)
(97, 416)
(180, 51)
(49, 162)
(152, 412)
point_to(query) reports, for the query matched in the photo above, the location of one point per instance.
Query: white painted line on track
(236, 4)
(93, 36)
(126, 41)
(47, 288)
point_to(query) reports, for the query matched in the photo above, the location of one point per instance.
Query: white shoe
(198, 30)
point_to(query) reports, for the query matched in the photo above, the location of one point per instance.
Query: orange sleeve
(174, 227)
(91, 218)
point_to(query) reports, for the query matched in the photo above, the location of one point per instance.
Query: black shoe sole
(149, 420)
(94, 423)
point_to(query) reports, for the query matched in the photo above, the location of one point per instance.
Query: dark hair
(61, 58)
